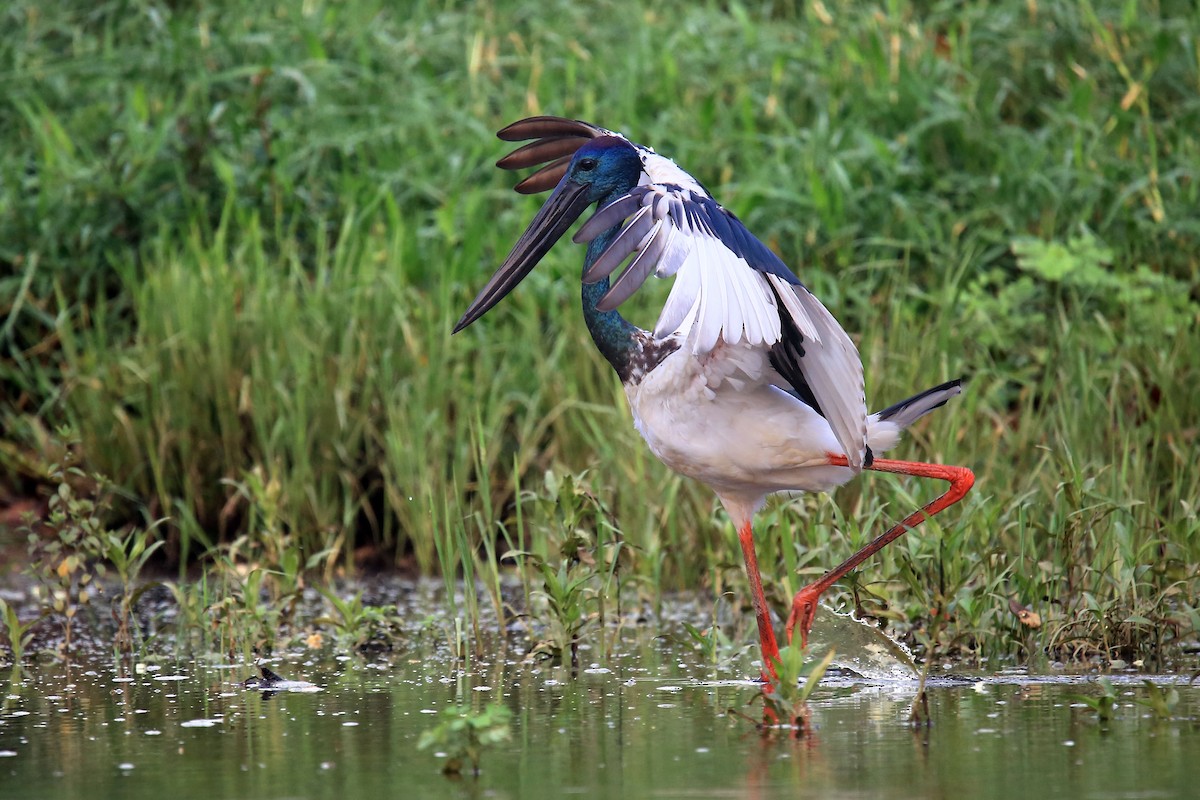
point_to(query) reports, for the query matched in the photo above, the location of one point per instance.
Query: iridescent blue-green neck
(615, 336)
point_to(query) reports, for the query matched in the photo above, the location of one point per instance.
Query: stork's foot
(804, 609)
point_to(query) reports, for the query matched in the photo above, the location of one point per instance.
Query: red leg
(804, 604)
(766, 633)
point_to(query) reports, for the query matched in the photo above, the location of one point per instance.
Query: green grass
(234, 239)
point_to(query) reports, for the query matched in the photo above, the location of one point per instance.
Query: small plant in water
(62, 546)
(72, 548)
(712, 643)
(785, 699)
(244, 618)
(928, 638)
(356, 626)
(1161, 700)
(463, 735)
(19, 634)
(565, 595)
(577, 584)
(1102, 705)
(128, 556)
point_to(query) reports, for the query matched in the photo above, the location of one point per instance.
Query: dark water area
(647, 723)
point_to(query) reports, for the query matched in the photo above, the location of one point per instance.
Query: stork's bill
(563, 207)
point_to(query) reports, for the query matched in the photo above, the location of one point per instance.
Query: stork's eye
(587, 164)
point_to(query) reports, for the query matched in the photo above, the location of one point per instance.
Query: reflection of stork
(747, 383)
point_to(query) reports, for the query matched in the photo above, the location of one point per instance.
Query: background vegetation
(234, 238)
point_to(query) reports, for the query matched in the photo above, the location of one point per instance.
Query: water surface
(644, 724)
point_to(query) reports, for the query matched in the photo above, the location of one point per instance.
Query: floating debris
(270, 682)
(1026, 615)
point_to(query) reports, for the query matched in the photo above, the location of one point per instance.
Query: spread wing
(729, 286)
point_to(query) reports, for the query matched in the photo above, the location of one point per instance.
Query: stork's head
(604, 166)
(602, 169)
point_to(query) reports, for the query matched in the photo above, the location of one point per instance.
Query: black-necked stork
(747, 383)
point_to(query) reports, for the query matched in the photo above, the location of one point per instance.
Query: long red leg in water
(804, 604)
(766, 632)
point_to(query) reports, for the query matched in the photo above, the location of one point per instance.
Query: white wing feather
(833, 369)
(718, 296)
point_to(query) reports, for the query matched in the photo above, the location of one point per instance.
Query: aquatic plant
(929, 638)
(463, 735)
(17, 634)
(359, 627)
(712, 643)
(785, 697)
(63, 547)
(564, 590)
(193, 628)
(127, 555)
(1102, 704)
(268, 541)
(1161, 700)
(579, 571)
(72, 548)
(245, 620)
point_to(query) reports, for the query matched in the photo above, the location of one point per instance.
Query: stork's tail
(884, 427)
